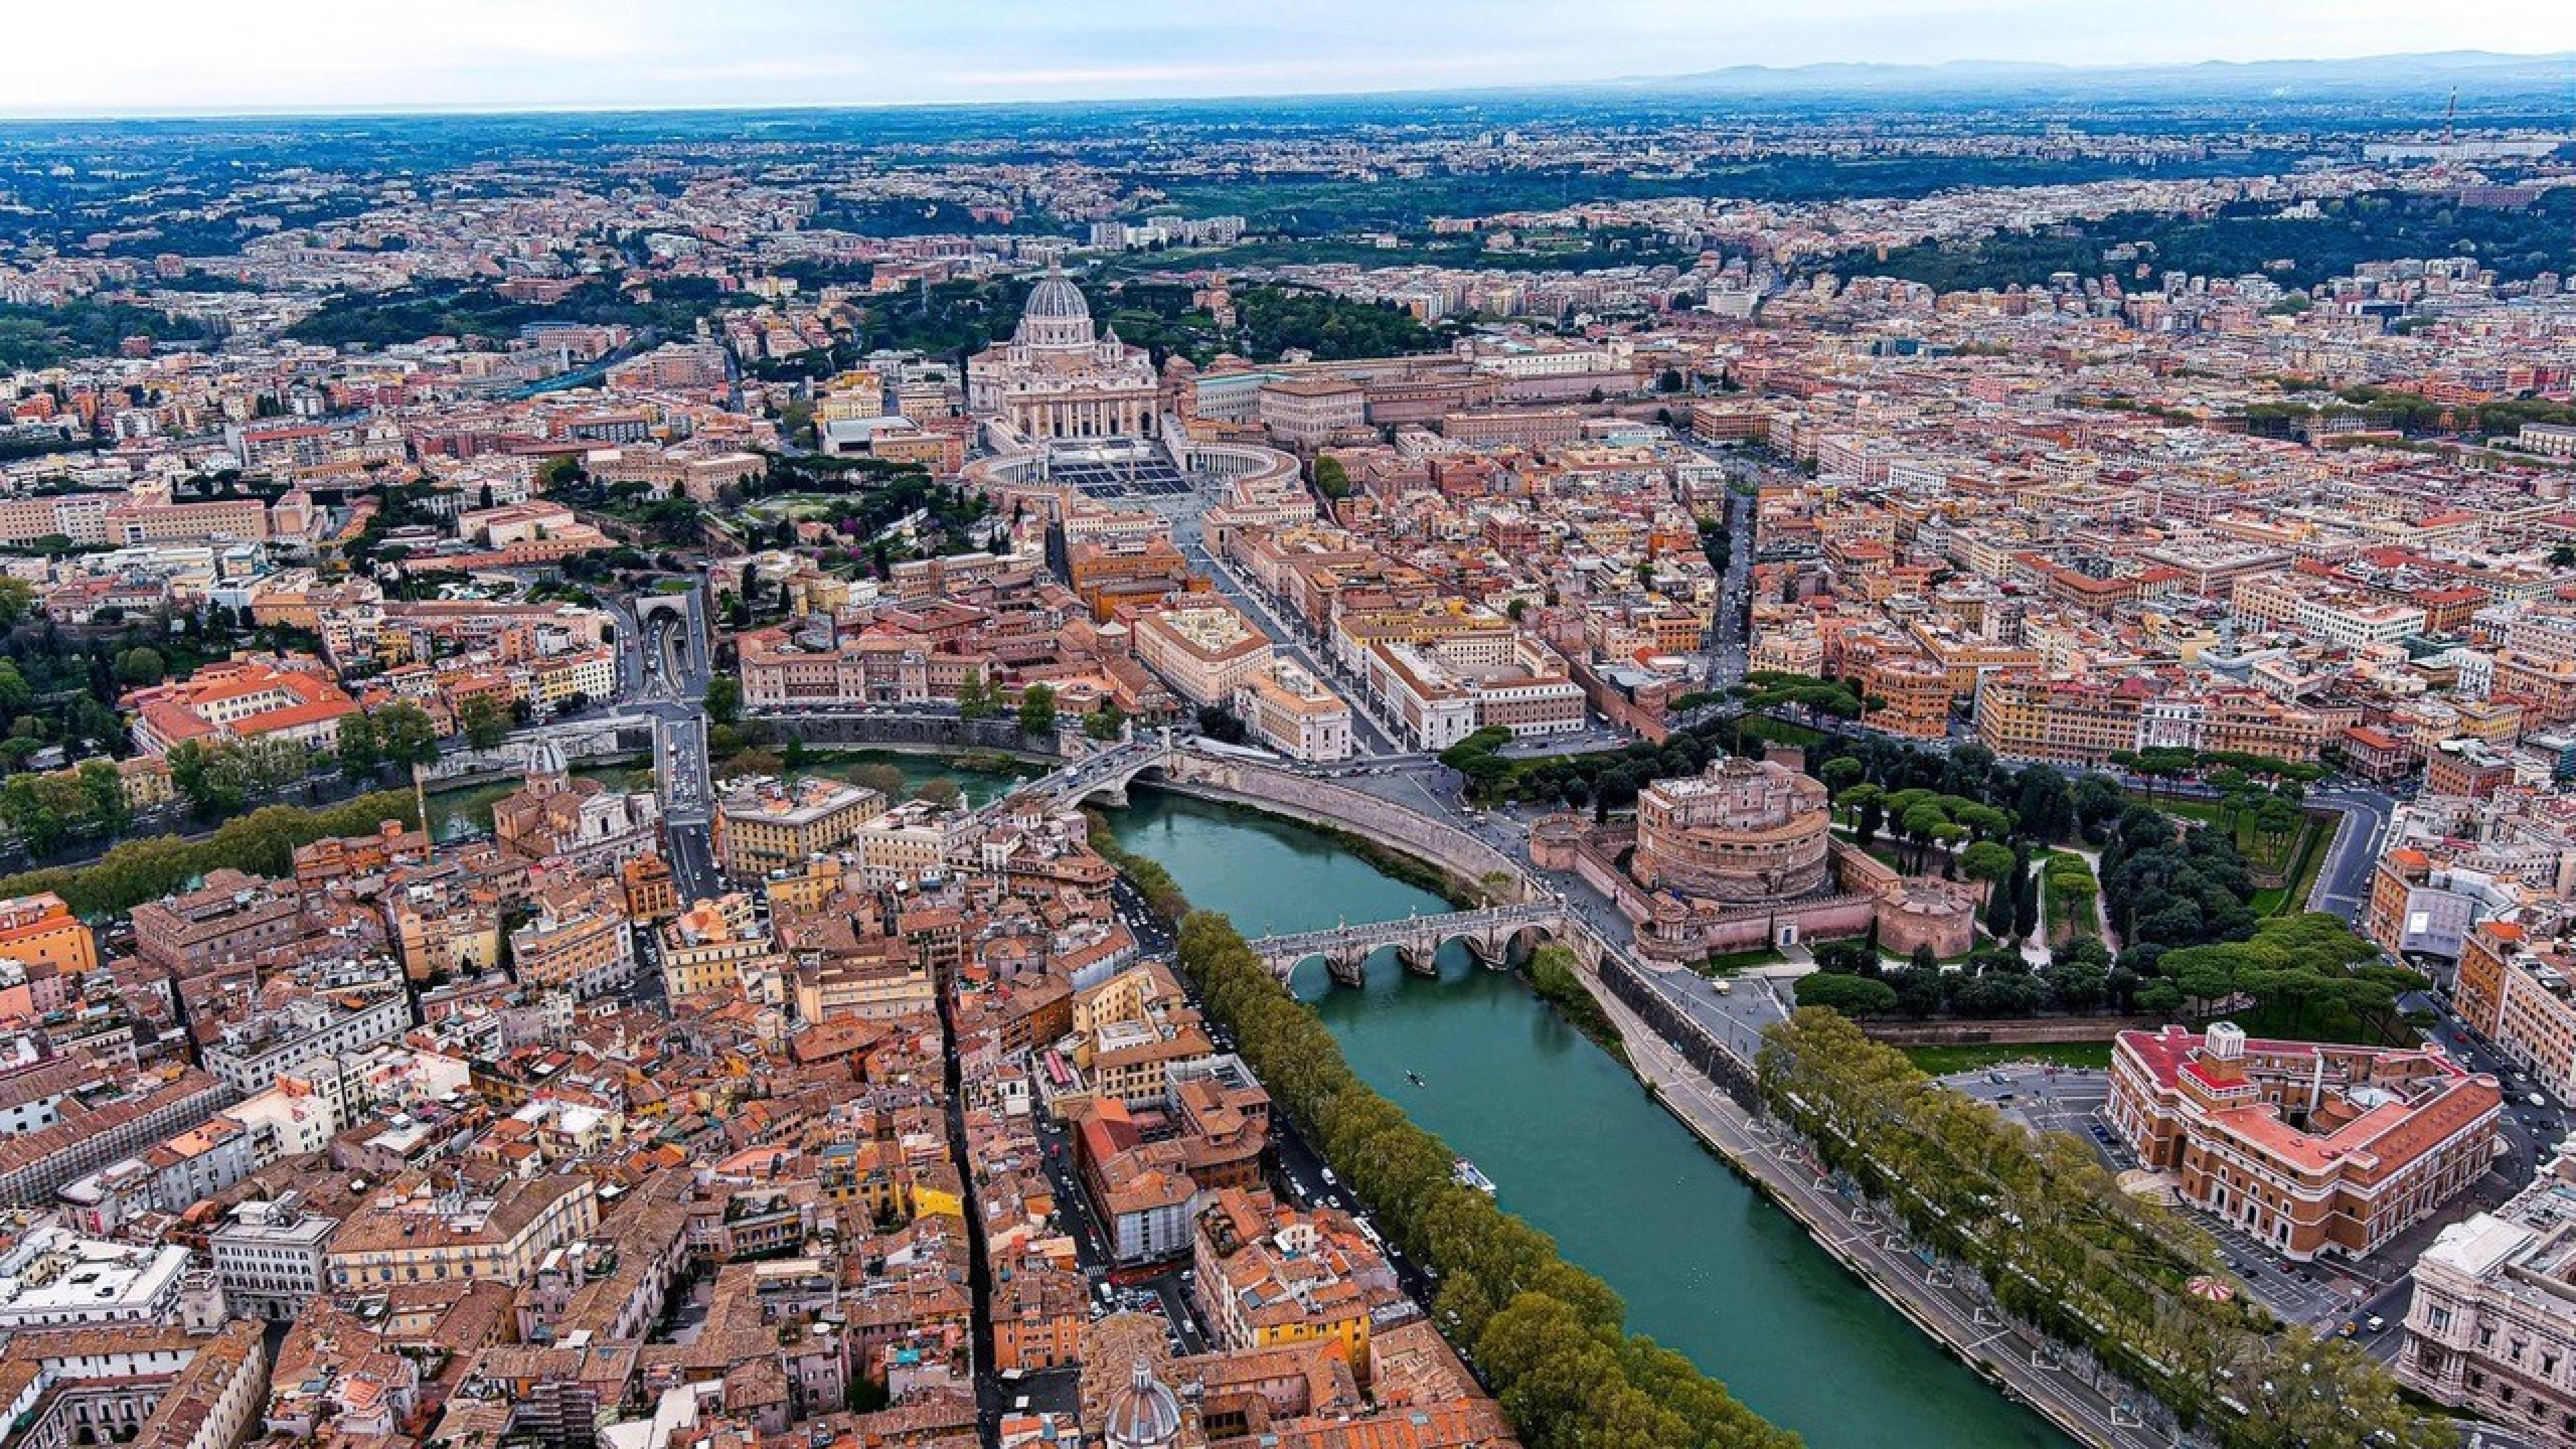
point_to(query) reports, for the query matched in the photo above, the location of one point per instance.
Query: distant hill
(2480, 76)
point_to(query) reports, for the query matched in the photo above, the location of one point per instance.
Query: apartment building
(1443, 690)
(909, 843)
(2514, 990)
(271, 1256)
(862, 991)
(290, 704)
(40, 929)
(52, 1278)
(1132, 1030)
(579, 944)
(1908, 695)
(1205, 652)
(1272, 1276)
(715, 946)
(251, 1054)
(409, 1233)
(86, 1135)
(232, 917)
(766, 824)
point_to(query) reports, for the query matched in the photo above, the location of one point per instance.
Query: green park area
(1941, 1061)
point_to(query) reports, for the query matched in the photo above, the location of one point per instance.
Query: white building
(1056, 379)
(1292, 712)
(254, 1053)
(53, 1279)
(270, 1256)
(2491, 1327)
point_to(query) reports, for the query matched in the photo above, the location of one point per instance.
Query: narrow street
(979, 1277)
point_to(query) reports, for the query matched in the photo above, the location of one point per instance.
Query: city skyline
(484, 55)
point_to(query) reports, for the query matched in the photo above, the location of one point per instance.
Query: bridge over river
(1488, 935)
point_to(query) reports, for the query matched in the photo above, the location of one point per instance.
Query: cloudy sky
(146, 56)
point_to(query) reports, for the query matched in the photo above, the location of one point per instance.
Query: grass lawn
(2070, 914)
(1763, 727)
(1940, 1061)
(2268, 852)
(1893, 853)
(2202, 812)
(2303, 870)
(1734, 961)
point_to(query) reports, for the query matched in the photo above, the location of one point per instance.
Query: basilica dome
(1056, 296)
(1143, 1415)
(1056, 316)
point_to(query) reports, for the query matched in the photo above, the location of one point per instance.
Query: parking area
(2050, 1098)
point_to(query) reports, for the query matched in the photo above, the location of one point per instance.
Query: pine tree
(1999, 908)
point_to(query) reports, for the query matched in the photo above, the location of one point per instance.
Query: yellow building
(865, 1174)
(41, 927)
(581, 946)
(1131, 1029)
(1204, 651)
(905, 844)
(765, 824)
(1271, 1276)
(867, 991)
(936, 1200)
(413, 1234)
(1907, 694)
(2062, 721)
(717, 946)
(805, 888)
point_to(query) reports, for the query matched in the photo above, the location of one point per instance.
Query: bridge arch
(1522, 941)
(1490, 936)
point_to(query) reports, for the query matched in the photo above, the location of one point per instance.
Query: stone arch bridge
(1489, 935)
(1103, 774)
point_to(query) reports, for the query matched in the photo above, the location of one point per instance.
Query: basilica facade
(1058, 378)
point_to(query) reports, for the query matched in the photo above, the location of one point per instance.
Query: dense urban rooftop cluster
(1775, 576)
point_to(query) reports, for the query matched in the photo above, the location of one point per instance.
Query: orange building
(2310, 1148)
(40, 927)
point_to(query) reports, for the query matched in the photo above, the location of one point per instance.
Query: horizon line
(435, 109)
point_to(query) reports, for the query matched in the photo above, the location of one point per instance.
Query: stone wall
(1682, 1032)
(1927, 914)
(1321, 802)
(868, 729)
(1984, 1033)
